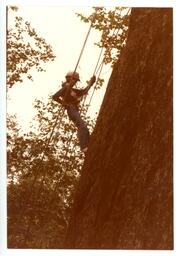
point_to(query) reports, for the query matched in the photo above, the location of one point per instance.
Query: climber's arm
(57, 96)
(62, 93)
(90, 83)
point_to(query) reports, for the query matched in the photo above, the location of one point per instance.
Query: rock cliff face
(124, 199)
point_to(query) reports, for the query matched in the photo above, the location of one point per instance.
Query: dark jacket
(70, 96)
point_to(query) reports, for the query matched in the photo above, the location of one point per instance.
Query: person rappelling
(70, 98)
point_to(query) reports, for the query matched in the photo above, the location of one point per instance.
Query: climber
(70, 98)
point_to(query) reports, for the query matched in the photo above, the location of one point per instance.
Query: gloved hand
(92, 80)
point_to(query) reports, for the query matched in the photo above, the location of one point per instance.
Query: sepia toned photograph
(89, 127)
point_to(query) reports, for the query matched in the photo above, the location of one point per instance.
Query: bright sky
(64, 31)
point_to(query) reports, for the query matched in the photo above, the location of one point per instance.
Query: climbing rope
(98, 68)
(83, 47)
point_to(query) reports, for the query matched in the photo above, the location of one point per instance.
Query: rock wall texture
(124, 199)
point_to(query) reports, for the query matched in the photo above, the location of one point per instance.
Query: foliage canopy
(25, 50)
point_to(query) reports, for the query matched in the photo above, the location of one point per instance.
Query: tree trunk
(124, 199)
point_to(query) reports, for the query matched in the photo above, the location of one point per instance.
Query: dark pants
(83, 132)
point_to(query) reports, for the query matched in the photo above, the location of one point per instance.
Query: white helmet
(73, 74)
